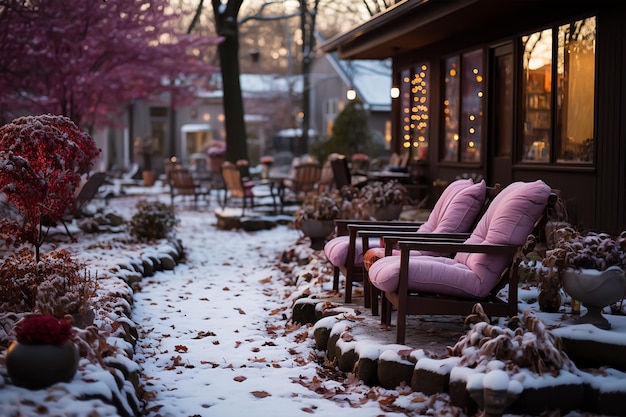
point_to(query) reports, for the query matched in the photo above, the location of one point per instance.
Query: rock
(167, 262)
(366, 369)
(345, 353)
(304, 311)
(321, 336)
(597, 401)
(148, 267)
(432, 376)
(331, 350)
(394, 370)
(114, 219)
(560, 397)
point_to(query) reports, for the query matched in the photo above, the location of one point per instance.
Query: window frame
(555, 105)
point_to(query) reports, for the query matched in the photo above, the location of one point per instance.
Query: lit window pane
(452, 85)
(576, 73)
(537, 96)
(472, 106)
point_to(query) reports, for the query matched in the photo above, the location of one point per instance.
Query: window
(158, 128)
(559, 95)
(414, 95)
(331, 110)
(463, 107)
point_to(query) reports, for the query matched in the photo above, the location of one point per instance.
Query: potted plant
(385, 199)
(590, 268)
(43, 352)
(217, 155)
(146, 147)
(315, 217)
(267, 161)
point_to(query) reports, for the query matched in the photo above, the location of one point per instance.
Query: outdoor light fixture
(351, 94)
(394, 92)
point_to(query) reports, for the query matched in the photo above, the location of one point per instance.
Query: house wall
(595, 194)
(329, 85)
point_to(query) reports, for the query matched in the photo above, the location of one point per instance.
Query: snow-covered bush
(152, 220)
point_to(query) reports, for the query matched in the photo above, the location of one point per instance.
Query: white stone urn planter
(595, 290)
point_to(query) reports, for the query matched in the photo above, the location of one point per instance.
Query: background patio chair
(305, 177)
(89, 191)
(327, 178)
(483, 264)
(182, 183)
(236, 186)
(342, 175)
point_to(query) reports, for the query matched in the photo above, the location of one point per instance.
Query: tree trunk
(228, 50)
(307, 27)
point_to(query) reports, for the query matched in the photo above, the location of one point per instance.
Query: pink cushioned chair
(455, 212)
(483, 264)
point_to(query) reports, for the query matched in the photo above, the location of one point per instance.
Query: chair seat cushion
(430, 274)
(336, 250)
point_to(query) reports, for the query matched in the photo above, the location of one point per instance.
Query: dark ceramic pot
(39, 366)
(317, 231)
(391, 212)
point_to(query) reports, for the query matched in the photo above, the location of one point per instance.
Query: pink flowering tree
(42, 159)
(88, 60)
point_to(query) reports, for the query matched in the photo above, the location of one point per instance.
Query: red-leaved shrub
(42, 159)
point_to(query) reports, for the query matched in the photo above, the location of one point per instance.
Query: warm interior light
(351, 94)
(394, 92)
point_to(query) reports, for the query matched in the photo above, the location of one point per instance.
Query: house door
(501, 116)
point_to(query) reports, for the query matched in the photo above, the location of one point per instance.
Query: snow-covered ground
(215, 337)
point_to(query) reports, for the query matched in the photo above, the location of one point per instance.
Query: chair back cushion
(509, 220)
(457, 208)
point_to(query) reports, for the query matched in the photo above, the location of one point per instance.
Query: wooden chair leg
(349, 277)
(386, 308)
(367, 290)
(361, 275)
(348, 295)
(374, 295)
(336, 278)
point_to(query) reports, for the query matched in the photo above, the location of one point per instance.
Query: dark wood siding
(610, 203)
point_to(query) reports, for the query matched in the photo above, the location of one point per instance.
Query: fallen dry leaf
(261, 394)
(266, 280)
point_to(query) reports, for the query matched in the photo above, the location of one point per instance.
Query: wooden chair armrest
(446, 247)
(380, 230)
(392, 241)
(398, 234)
(343, 224)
